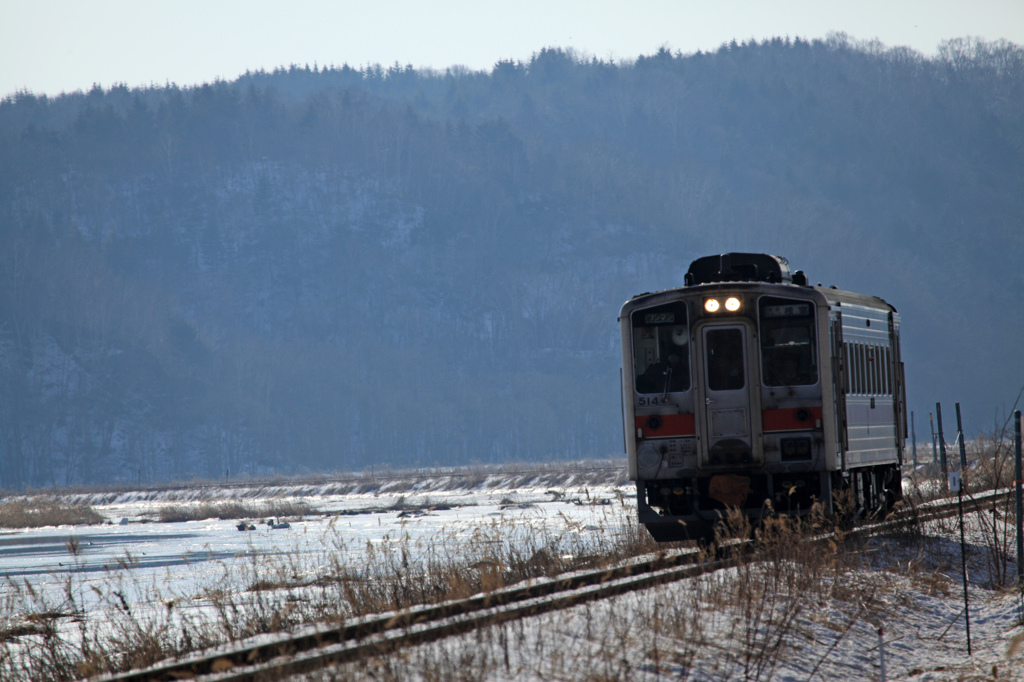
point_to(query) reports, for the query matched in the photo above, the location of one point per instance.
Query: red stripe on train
(791, 419)
(666, 425)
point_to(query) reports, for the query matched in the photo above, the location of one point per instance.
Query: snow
(753, 622)
(184, 555)
(904, 604)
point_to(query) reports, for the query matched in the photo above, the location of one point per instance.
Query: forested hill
(333, 268)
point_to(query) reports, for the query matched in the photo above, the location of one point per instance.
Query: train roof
(762, 268)
(838, 297)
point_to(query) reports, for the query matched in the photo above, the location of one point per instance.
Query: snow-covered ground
(411, 510)
(752, 623)
(705, 629)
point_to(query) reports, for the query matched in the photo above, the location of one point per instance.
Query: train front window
(661, 349)
(788, 347)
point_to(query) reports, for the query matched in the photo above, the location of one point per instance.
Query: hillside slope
(312, 270)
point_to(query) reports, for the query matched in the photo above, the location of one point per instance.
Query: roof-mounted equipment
(743, 267)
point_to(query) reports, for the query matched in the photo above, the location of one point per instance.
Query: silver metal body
(772, 407)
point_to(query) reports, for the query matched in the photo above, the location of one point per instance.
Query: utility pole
(960, 435)
(942, 450)
(935, 453)
(913, 438)
(1018, 482)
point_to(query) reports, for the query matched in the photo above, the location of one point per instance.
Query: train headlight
(648, 460)
(796, 449)
(713, 305)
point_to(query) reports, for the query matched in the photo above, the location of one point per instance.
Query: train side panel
(870, 386)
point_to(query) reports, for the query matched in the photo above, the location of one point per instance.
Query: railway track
(316, 647)
(936, 509)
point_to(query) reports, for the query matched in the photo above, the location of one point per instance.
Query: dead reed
(740, 623)
(175, 513)
(37, 512)
(84, 627)
(793, 597)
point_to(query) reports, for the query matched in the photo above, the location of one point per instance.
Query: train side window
(846, 367)
(661, 349)
(876, 371)
(869, 368)
(788, 343)
(888, 372)
(872, 370)
(857, 387)
(868, 390)
(862, 384)
(854, 383)
(879, 371)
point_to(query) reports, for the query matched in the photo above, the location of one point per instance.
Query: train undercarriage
(691, 508)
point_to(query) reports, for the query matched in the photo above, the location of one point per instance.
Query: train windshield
(788, 348)
(661, 349)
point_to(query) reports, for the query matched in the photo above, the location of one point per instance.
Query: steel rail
(931, 511)
(262, 648)
(313, 647)
(420, 633)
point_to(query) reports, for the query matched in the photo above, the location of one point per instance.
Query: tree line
(326, 268)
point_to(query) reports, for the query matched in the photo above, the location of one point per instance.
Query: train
(747, 388)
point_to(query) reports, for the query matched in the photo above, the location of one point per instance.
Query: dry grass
(991, 467)
(92, 627)
(990, 459)
(45, 511)
(61, 637)
(734, 624)
(739, 623)
(994, 470)
(174, 513)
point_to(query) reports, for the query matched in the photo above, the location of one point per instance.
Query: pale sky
(54, 46)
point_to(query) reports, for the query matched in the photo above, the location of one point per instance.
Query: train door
(727, 413)
(899, 395)
(840, 386)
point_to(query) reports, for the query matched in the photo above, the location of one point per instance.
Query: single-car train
(747, 388)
